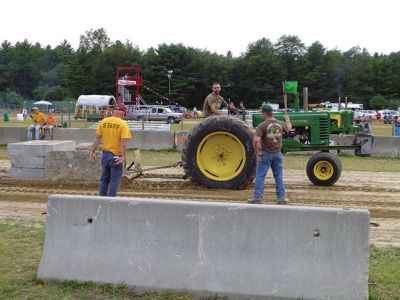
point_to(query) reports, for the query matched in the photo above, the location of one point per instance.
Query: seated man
(50, 123)
(38, 121)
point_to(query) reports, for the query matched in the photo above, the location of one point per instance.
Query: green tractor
(218, 153)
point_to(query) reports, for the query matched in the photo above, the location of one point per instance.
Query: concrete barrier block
(79, 135)
(38, 148)
(72, 165)
(12, 135)
(151, 140)
(386, 146)
(239, 250)
(27, 173)
(28, 162)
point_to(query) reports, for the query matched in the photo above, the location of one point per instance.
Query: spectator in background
(50, 123)
(232, 109)
(38, 121)
(24, 112)
(194, 112)
(365, 125)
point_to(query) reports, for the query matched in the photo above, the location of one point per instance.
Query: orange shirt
(51, 121)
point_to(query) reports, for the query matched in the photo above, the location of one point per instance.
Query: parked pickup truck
(158, 113)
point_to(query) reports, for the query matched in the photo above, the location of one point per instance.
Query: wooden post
(284, 97)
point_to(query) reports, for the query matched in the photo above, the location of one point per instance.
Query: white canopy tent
(95, 100)
(43, 102)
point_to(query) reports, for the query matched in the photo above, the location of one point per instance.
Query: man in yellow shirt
(38, 121)
(115, 134)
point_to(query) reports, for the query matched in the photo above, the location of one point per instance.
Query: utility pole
(169, 74)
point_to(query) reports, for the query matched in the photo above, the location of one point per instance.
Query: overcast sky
(215, 25)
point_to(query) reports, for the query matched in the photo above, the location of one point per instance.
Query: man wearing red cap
(115, 134)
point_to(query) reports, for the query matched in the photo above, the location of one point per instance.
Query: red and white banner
(124, 82)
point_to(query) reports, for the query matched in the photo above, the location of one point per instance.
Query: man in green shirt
(213, 102)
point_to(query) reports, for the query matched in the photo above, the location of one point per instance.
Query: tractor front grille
(324, 130)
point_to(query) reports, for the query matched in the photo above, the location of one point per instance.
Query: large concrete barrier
(73, 165)
(239, 250)
(12, 135)
(384, 146)
(144, 140)
(28, 159)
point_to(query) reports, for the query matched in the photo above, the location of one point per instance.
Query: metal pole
(69, 115)
(305, 98)
(169, 89)
(345, 103)
(169, 74)
(339, 105)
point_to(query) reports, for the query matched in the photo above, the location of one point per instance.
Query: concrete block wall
(239, 250)
(384, 146)
(144, 140)
(151, 140)
(72, 165)
(12, 135)
(28, 159)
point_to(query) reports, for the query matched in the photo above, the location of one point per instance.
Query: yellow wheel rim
(323, 170)
(221, 156)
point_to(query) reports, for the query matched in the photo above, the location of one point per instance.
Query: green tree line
(33, 71)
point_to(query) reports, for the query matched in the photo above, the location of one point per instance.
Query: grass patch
(384, 273)
(20, 251)
(3, 152)
(155, 158)
(21, 248)
(379, 128)
(291, 161)
(187, 126)
(350, 163)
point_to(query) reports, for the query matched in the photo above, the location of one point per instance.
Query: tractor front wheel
(324, 169)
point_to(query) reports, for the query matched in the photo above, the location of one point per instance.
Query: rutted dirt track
(377, 192)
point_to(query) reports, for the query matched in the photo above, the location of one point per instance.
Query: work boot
(254, 201)
(282, 201)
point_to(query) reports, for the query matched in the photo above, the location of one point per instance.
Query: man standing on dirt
(115, 134)
(213, 102)
(267, 147)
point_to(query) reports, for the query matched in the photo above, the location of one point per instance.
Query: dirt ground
(377, 192)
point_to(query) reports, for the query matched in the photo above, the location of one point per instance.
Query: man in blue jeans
(115, 134)
(268, 149)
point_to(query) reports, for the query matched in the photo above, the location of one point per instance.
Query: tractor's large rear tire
(218, 153)
(324, 169)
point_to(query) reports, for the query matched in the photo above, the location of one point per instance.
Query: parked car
(158, 113)
(388, 115)
(366, 113)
